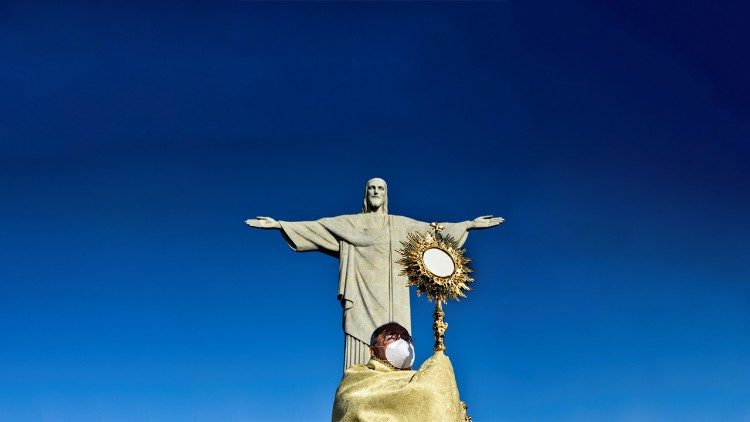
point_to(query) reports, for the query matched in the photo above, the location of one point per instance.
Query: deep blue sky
(135, 140)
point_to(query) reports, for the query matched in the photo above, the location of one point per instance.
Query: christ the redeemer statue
(371, 290)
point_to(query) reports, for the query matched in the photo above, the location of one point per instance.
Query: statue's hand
(487, 221)
(263, 223)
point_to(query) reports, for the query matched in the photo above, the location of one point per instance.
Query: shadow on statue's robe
(376, 392)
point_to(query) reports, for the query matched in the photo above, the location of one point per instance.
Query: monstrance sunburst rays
(437, 266)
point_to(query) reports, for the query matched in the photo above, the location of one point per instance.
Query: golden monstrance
(437, 266)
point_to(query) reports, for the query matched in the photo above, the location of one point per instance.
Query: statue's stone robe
(371, 290)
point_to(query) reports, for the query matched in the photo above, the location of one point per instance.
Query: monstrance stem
(439, 326)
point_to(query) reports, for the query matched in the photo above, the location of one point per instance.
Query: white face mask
(400, 354)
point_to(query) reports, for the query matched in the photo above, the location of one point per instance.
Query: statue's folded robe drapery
(376, 392)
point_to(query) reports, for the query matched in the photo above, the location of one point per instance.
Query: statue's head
(376, 196)
(392, 343)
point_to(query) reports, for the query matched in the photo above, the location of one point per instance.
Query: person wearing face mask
(386, 388)
(391, 345)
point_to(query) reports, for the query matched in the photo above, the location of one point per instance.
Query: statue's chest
(374, 227)
(375, 231)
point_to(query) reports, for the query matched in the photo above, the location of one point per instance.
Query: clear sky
(136, 139)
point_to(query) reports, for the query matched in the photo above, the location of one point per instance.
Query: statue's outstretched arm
(263, 223)
(485, 222)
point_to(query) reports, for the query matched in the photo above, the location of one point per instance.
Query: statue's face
(376, 192)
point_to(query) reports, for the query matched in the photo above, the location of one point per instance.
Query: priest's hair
(386, 329)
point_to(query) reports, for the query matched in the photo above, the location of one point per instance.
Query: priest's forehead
(376, 181)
